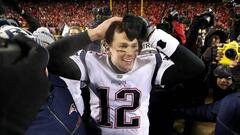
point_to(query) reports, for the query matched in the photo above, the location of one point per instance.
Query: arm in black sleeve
(60, 51)
(33, 23)
(15, 6)
(186, 66)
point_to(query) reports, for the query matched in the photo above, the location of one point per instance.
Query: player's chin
(124, 68)
(127, 68)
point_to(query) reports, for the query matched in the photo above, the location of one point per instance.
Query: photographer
(235, 18)
(24, 84)
(213, 39)
(174, 26)
(225, 108)
(202, 21)
(178, 27)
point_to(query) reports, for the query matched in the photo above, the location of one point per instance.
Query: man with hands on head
(120, 81)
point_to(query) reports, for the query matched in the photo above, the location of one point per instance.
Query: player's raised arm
(186, 64)
(60, 51)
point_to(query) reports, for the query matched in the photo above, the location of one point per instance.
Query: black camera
(207, 18)
(10, 52)
(100, 15)
(104, 11)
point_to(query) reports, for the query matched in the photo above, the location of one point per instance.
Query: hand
(137, 27)
(220, 53)
(233, 64)
(147, 29)
(24, 85)
(99, 32)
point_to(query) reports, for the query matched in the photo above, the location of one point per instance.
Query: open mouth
(128, 61)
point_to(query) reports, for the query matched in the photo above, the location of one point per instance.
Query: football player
(120, 81)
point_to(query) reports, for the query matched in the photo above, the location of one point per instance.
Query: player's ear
(107, 48)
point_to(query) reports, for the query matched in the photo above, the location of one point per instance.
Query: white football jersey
(119, 102)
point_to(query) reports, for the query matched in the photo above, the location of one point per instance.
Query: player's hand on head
(98, 33)
(137, 27)
(147, 29)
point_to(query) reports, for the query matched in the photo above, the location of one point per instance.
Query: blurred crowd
(56, 14)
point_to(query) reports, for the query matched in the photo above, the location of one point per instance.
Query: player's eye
(123, 46)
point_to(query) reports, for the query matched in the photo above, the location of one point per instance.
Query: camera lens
(231, 54)
(207, 18)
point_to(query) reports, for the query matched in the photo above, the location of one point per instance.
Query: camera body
(10, 52)
(173, 15)
(104, 11)
(207, 18)
(100, 15)
(231, 52)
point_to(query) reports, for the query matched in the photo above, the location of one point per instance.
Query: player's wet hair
(115, 26)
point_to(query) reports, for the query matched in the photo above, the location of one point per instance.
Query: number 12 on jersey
(120, 112)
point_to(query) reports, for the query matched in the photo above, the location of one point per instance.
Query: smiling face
(123, 52)
(120, 48)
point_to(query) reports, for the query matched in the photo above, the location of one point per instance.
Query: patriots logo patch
(72, 109)
(161, 44)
